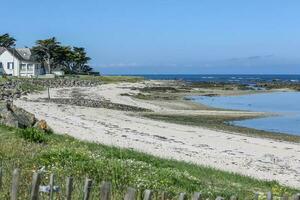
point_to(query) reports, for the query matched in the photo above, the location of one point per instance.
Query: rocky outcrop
(12, 116)
(94, 104)
(59, 83)
(15, 88)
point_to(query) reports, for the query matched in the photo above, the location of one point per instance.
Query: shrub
(32, 135)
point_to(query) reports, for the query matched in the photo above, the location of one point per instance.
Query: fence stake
(256, 196)
(87, 189)
(15, 184)
(131, 194)
(234, 198)
(69, 188)
(269, 196)
(285, 197)
(297, 196)
(48, 93)
(147, 195)
(164, 196)
(51, 184)
(197, 196)
(105, 191)
(1, 174)
(182, 196)
(36, 180)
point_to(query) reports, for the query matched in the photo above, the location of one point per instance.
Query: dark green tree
(7, 41)
(80, 60)
(63, 56)
(55, 56)
(45, 51)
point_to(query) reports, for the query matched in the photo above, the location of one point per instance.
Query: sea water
(286, 106)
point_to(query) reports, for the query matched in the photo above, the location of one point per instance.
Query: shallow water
(286, 104)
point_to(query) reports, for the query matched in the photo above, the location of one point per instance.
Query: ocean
(284, 104)
(228, 78)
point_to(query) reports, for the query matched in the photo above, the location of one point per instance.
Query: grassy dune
(66, 156)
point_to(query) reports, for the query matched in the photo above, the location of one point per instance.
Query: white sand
(257, 157)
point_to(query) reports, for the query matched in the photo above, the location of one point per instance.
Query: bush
(32, 135)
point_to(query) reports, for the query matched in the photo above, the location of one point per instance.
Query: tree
(80, 60)
(63, 56)
(7, 41)
(53, 55)
(45, 51)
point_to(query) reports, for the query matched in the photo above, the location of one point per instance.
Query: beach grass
(66, 156)
(109, 79)
(221, 122)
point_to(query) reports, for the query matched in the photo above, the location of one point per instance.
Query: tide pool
(285, 104)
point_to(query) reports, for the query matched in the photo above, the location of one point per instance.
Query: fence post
(256, 196)
(182, 196)
(1, 174)
(36, 180)
(105, 191)
(131, 194)
(15, 184)
(234, 198)
(296, 196)
(197, 196)
(51, 184)
(269, 196)
(285, 197)
(87, 189)
(48, 93)
(147, 195)
(69, 188)
(164, 196)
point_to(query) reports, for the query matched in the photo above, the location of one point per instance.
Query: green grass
(28, 86)
(108, 79)
(66, 156)
(152, 96)
(221, 123)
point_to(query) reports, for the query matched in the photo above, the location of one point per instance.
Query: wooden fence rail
(105, 190)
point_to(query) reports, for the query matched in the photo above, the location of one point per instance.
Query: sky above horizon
(166, 36)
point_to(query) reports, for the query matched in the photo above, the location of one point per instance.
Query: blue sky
(166, 36)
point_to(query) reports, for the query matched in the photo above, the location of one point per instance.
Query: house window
(30, 67)
(23, 67)
(10, 65)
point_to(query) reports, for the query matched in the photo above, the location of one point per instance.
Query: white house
(19, 62)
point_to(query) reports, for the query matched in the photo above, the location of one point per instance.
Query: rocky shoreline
(13, 116)
(92, 103)
(14, 89)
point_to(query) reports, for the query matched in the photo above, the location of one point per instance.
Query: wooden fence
(105, 190)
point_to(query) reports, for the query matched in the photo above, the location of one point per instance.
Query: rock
(13, 116)
(25, 119)
(43, 126)
(8, 119)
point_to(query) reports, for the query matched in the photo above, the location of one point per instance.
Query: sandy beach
(257, 157)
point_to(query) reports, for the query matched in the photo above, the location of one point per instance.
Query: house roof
(2, 49)
(23, 54)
